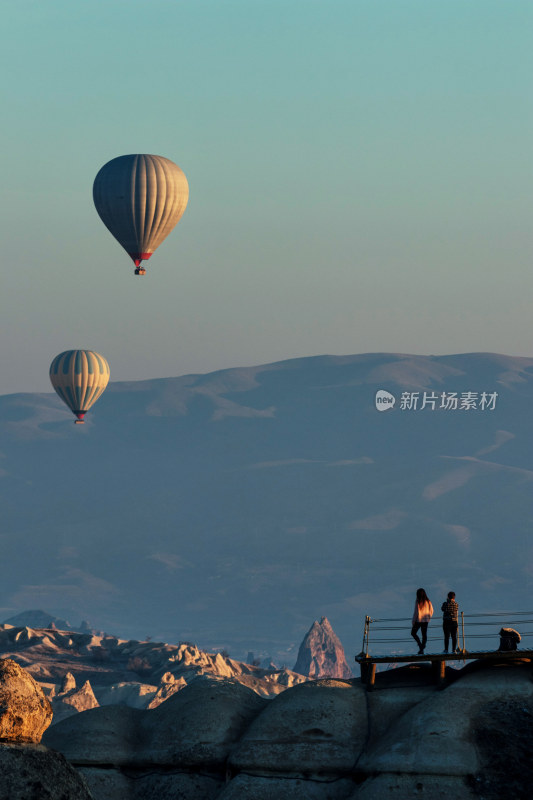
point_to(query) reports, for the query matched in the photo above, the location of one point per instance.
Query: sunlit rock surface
(73, 701)
(321, 653)
(28, 770)
(25, 712)
(113, 671)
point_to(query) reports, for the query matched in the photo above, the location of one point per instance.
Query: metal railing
(472, 635)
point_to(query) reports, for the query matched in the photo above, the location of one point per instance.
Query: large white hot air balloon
(79, 378)
(140, 198)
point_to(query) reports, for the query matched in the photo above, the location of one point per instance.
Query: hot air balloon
(140, 198)
(79, 377)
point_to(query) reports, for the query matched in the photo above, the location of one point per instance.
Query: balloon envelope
(140, 198)
(79, 378)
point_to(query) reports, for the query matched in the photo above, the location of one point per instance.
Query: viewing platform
(379, 635)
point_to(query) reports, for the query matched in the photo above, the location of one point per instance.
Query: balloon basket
(79, 422)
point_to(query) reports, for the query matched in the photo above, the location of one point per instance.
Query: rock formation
(31, 772)
(113, 670)
(320, 740)
(68, 683)
(321, 653)
(318, 728)
(218, 739)
(25, 712)
(72, 700)
(28, 771)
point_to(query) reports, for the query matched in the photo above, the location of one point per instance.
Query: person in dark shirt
(450, 614)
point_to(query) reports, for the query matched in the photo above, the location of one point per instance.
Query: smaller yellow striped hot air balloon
(140, 198)
(79, 378)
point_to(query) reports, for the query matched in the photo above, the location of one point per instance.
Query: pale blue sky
(360, 177)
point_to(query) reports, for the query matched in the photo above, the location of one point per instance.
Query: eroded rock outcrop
(25, 712)
(321, 654)
(149, 785)
(28, 771)
(68, 684)
(179, 749)
(320, 740)
(436, 736)
(109, 736)
(32, 772)
(317, 728)
(408, 787)
(168, 686)
(197, 727)
(141, 674)
(74, 700)
(245, 787)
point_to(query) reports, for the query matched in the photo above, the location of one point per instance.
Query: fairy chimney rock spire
(321, 653)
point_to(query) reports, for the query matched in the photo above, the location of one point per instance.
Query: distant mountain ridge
(36, 618)
(230, 508)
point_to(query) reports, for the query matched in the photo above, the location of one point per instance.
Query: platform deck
(438, 661)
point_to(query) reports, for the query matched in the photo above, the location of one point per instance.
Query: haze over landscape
(233, 508)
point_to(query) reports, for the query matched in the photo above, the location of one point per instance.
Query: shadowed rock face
(112, 784)
(321, 653)
(108, 735)
(319, 727)
(245, 787)
(31, 772)
(195, 728)
(321, 740)
(25, 712)
(503, 734)
(407, 787)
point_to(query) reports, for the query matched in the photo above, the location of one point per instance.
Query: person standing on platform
(421, 616)
(450, 616)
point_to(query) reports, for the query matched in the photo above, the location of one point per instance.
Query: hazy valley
(231, 508)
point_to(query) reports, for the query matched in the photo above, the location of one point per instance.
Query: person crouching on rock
(422, 614)
(450, 614)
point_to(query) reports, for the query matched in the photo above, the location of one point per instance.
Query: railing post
(463, 629)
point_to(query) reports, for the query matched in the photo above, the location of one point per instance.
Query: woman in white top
(421, 616)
